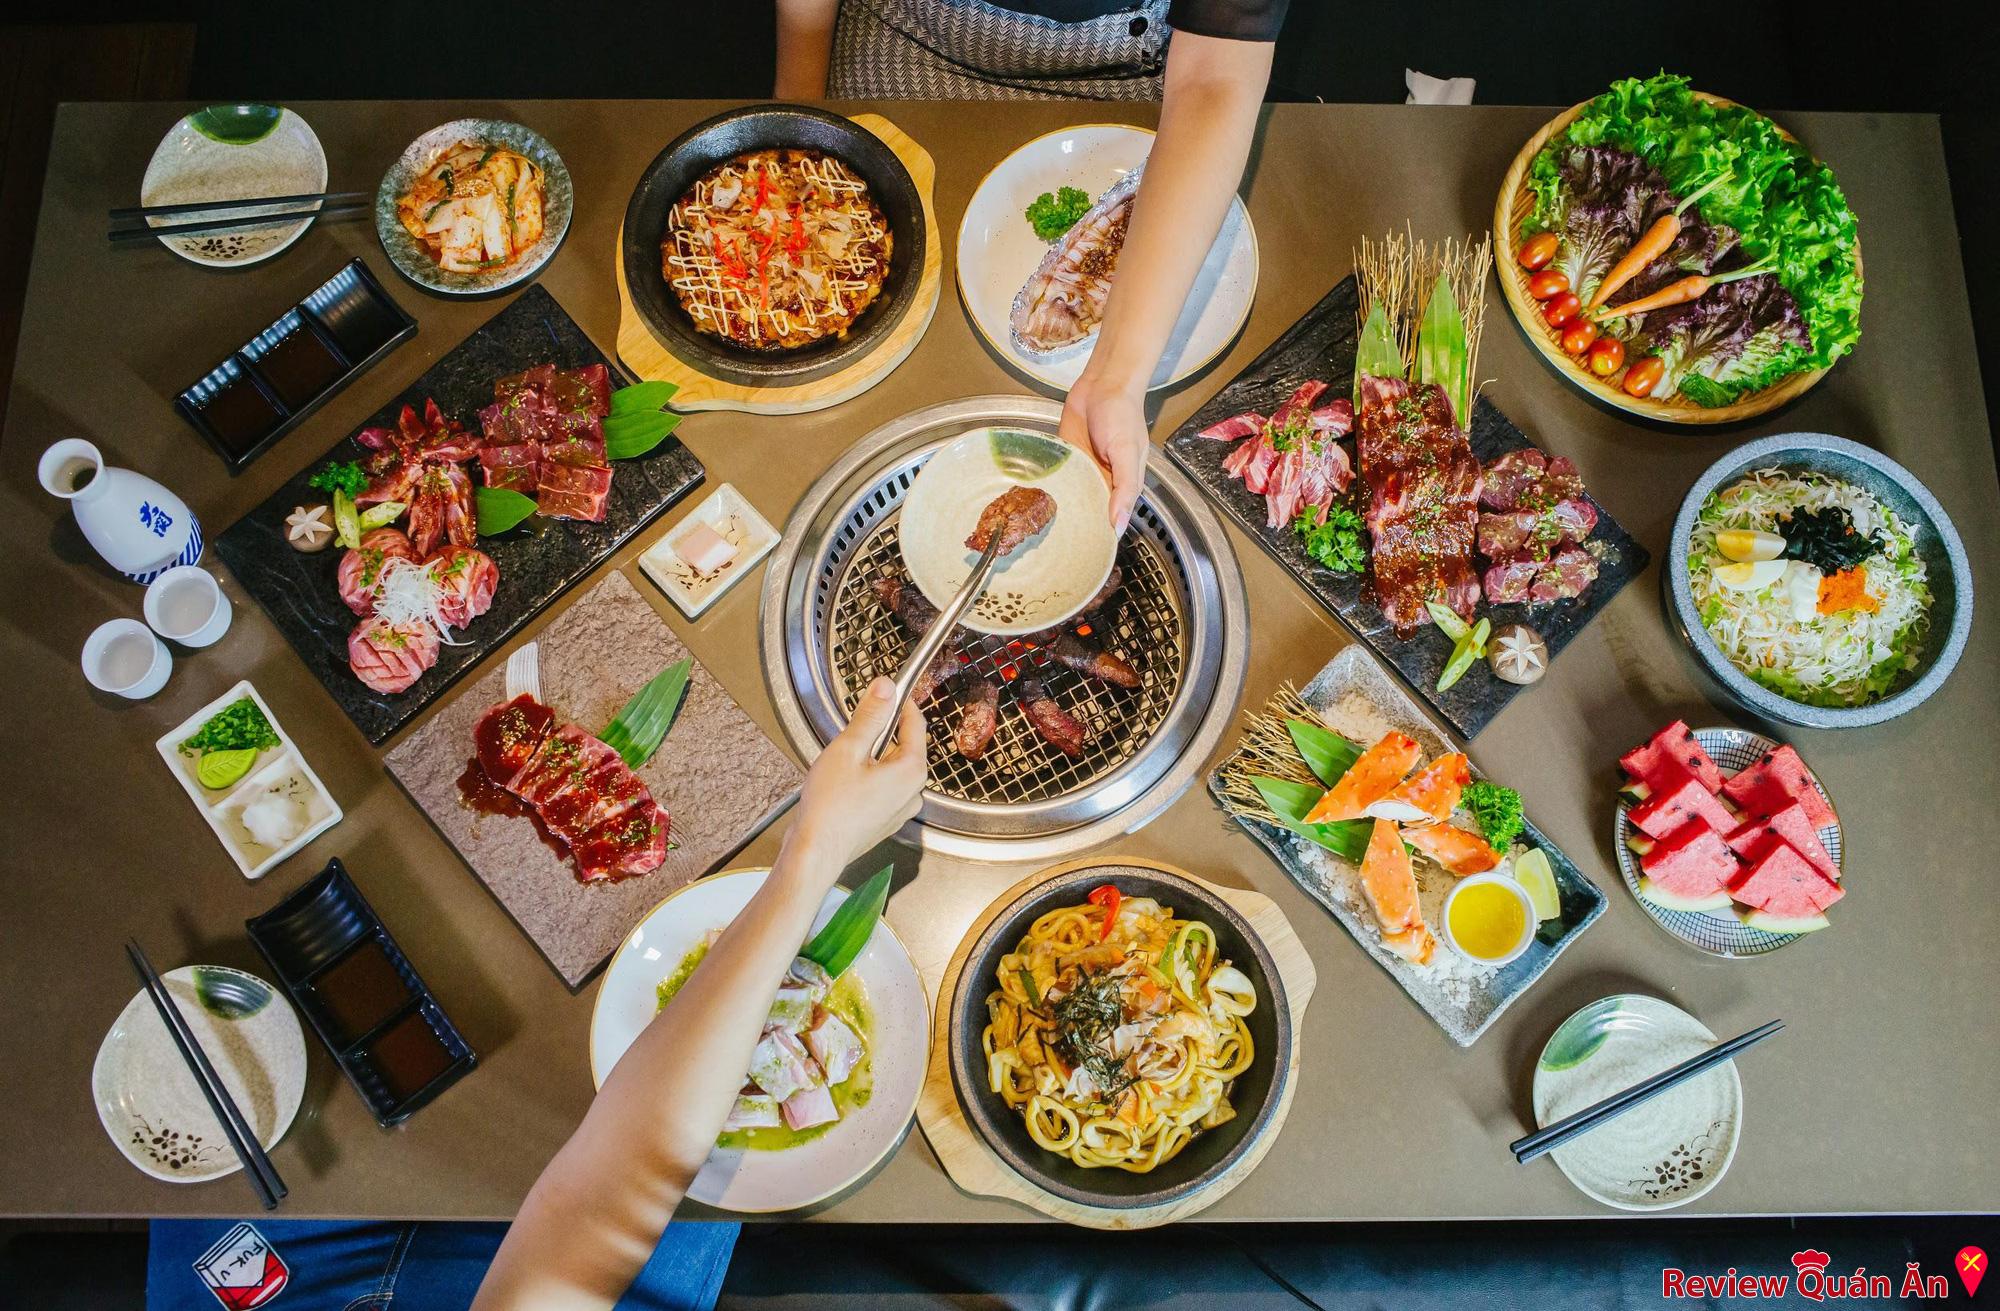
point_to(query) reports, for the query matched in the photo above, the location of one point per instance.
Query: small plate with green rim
(1663, 1153)
(234, 152)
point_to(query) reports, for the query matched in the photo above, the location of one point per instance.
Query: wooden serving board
(1511, 210)
(976, 1168)
(720, 778)
(642, 352)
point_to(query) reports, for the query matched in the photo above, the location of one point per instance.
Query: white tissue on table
(1428, 90)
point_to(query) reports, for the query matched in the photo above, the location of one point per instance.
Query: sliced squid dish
(1063, 301)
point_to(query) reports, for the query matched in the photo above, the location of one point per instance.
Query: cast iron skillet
(1258, 1090)
(738, 132)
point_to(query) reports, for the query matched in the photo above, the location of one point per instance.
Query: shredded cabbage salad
(1776, 634)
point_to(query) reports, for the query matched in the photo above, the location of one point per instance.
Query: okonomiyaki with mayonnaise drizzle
(776, 249)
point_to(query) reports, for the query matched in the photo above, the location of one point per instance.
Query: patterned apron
(972, 50)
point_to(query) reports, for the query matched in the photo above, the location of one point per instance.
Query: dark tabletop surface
(1879, 1097)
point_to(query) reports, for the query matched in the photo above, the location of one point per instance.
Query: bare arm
(805, 43)
(1213, 92)
(594, 1216)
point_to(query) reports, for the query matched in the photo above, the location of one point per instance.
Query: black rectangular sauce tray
(326, 925)
(271, 383)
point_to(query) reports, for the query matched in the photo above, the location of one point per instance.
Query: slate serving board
(1463, 1001)
(1321, 345)
(538, 561)
(719, 776)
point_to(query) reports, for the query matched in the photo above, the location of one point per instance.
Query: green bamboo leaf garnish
(836, 946)
(500, 508)
(628, 436)
(1376, 354)
(642, 725)
(1291, 802)
(641, 397)
(1327, 754)
(1441, 350)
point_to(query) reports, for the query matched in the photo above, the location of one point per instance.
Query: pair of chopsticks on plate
(256, 1165)
(1590, 1117)
(130, 222)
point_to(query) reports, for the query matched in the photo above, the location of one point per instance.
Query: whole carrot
(1680, 293)
(1649, 247)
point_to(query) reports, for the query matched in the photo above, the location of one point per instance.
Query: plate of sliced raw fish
(1039, 303)
(871, 1026)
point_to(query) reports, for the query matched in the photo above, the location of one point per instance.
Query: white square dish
(281, 767)
(738, 523)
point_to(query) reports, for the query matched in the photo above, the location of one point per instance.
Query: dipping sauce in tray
(360, 990)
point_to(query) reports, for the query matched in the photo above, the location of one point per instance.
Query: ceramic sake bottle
(139, 527)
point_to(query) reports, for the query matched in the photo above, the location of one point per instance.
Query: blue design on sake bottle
(139, 527)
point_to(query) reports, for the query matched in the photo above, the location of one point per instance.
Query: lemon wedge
(1749, 545)
(218, 769)
(1750, 576)
(1532, 872)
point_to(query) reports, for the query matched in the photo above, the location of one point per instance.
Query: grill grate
(1142, 623)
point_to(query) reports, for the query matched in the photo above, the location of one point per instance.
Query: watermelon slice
(1692, 864)
(1675, 797)
(1791, 826)
(1765, 920)
(1781, 882)
(1673, 743)
(1773, 781)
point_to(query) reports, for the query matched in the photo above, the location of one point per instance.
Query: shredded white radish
(410, 593)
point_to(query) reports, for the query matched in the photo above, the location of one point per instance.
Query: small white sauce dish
(1528, 921)
(124, 658)
(727, 515)
(186, 605)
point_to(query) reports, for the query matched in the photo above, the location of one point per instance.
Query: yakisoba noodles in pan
(1116, 1033)
(776, 249)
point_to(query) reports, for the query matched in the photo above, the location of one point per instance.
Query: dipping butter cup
(1528, 921)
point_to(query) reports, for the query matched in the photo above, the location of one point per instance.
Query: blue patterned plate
(416, 262)
(1719, 933)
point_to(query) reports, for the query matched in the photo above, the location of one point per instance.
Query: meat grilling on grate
(1057, 727)
(979, 716)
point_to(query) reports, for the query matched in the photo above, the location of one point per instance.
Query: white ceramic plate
(997, 251)
(1045, 579)
(761, 1181)
(738, 523)
(1663, 1153)
(233, 152)
(282, 767)
(147, 1098)
(1719, 932)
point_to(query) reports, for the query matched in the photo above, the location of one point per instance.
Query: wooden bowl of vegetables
(1677, 255)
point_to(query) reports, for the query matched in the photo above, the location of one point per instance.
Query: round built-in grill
(1178, 619)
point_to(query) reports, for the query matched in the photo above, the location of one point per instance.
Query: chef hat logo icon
(1811, 1259)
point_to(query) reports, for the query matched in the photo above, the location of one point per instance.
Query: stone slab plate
(538, 561)
(719, 777)
(1321, 345)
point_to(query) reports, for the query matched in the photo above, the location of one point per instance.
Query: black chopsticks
(129, 223)
(1590, 1117)
(256, 1165)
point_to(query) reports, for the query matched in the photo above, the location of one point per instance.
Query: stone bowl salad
(1819, 582)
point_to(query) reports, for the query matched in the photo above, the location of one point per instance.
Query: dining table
(1879, 1097)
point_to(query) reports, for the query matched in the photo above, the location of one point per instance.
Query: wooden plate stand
(642, 352)
(975, 1167)
(1511, 210)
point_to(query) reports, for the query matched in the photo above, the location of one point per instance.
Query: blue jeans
(367, 1266)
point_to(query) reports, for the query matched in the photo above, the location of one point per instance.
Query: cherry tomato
(1644, 375)
(1578, 336)
(1607, 356)
(1547, 283)
(1537, 251)
(1561, 308)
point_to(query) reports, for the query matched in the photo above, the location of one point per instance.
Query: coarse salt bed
(704, 549)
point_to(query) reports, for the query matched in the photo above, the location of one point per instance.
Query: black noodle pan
(1258, 1091)
(738, 132)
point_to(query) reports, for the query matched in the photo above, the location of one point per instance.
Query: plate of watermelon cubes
(1727, 839)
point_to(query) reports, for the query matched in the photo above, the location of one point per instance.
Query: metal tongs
(934, 639)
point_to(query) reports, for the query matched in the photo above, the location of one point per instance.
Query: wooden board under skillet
(1321, 345)
(538, 561)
